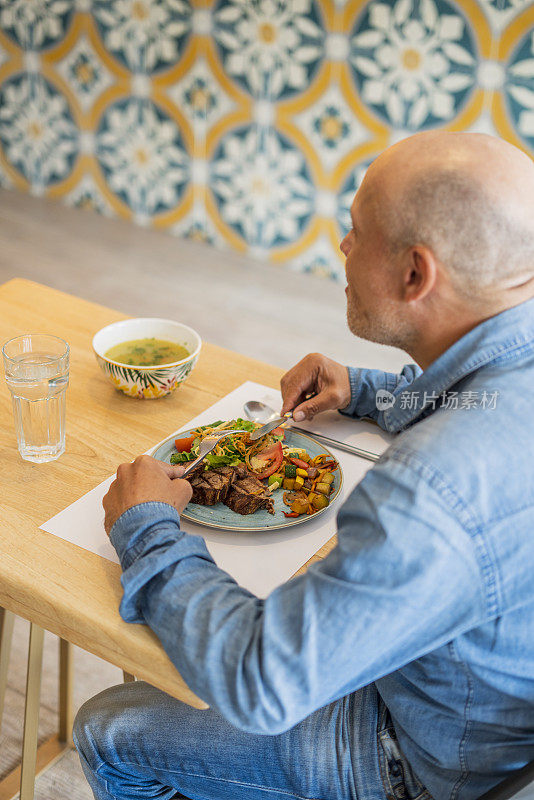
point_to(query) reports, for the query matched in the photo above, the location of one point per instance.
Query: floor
(260, 310)
(257, 309)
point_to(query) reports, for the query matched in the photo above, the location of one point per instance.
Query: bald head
(468, 197)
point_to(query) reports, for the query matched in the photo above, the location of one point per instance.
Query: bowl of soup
(146, 357)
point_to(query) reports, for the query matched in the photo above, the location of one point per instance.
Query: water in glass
(37, 377)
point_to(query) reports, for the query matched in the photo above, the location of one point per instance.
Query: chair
(512, 785)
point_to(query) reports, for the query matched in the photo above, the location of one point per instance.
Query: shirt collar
(492, 338)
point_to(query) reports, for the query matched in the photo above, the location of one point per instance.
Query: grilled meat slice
(247, 494)
(203, 493)
(210, 486)
(219, 479)
(232, 486)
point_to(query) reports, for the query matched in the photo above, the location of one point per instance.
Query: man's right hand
(316, 374)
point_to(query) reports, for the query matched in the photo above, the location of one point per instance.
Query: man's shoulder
(481, 450)
(478, 459)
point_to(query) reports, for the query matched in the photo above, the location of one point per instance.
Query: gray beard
(379, 330)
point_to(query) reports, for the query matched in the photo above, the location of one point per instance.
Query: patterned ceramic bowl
(146, 382)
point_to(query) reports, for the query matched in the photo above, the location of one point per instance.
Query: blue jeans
(135, 741)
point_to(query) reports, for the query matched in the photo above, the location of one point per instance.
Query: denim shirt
(429, 592)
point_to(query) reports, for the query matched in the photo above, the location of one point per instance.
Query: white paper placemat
(258, 561)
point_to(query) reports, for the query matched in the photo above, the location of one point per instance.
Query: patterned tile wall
(248, 123)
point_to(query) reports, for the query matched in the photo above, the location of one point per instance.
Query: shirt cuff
(349, 408)
(364, 384)
(138, 524)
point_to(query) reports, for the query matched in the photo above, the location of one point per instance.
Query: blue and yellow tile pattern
(248, 124)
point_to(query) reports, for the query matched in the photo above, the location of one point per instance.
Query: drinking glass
(37, 373)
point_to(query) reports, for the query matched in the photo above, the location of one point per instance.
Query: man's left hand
(142, 481)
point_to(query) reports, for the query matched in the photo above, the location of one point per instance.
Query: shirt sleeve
(402, 581)
(364, 384)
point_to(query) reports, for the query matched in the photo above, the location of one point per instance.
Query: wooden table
(53, 583)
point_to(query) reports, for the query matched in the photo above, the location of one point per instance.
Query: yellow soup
(147, 352)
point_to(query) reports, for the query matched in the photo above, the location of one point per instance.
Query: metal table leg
(66, 674)
(31, 712)
(36, 760)
(7, 618)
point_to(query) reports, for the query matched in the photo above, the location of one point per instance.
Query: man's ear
(420, 273)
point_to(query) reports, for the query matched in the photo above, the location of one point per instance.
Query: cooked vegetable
(290, 471)
(329, 465)
(289, 483)
(328, 478)
(299, 482)
(318, 501)
(322, 488)
(291, 496)
(293, 452)
(276, 478)
(298, 463)
(300, 505)
(290, 514)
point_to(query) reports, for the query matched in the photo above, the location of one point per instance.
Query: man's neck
(430, 347)
(443, 331)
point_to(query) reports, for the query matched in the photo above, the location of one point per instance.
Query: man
(402, 665)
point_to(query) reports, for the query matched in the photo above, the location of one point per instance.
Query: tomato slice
(184, 445)
(272, 457)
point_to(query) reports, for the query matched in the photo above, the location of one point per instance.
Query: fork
(206, 446)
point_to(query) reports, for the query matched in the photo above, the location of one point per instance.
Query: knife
(270, 426)
(347, 448)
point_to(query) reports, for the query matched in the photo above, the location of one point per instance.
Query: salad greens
(228, 454)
